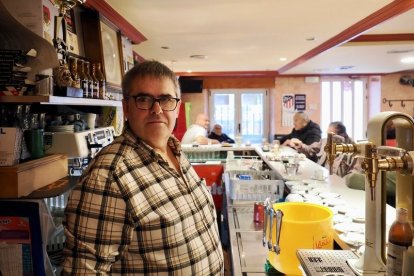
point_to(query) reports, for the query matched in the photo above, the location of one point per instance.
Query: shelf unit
(56, 100)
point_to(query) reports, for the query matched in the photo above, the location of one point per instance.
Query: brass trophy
(62, 74)
(377, 160)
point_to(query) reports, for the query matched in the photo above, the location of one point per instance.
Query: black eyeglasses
(146, 102)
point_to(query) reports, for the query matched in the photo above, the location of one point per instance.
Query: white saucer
(329, 195)
(346, 227)
(353, 239)
(332, 202)
(339, 218)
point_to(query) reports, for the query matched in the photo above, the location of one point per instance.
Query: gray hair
(303, 115)
(152, 69)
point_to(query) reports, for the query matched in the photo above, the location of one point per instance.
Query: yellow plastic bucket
(304, 226)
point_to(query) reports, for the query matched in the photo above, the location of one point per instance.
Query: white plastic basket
(263, 184)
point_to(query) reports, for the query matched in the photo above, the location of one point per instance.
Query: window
(240, 112)
(345, 100)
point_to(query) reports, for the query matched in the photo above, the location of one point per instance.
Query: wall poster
(288, 108)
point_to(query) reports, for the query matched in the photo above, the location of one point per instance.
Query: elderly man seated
(304, 130)
(197, 132)
(217, 134)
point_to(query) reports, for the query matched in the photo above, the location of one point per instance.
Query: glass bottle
(91, 83)
(95, 92)
(101, 79)
(84, 80)
(400, 237)
(73, 67)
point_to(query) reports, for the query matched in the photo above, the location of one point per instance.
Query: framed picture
(111, 55)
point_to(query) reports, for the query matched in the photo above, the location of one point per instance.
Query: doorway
(241, 112)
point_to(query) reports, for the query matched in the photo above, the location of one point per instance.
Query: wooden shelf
(58, 100)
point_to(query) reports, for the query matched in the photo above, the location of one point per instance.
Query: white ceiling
(246, 35)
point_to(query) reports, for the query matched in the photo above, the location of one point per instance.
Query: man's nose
(156, 108)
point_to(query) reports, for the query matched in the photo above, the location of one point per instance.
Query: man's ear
(125, 109)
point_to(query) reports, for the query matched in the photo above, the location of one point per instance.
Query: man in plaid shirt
(140, 208)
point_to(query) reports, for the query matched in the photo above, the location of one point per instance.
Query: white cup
(90, 119)
(238, 140)
(318, 174)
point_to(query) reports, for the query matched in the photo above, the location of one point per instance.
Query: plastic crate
(262, 185)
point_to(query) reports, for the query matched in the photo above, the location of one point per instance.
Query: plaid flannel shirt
(132, 214)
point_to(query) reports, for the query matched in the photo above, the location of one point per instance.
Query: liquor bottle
(101, 79)
(400, 237)
(73, 68)
(83, 79)
(95, 93)
(91, 86)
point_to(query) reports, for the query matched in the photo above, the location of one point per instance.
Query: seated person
(316, 151)
(197, 132)
(217, 134)
(306, 131)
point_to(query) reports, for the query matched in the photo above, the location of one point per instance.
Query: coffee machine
(80, 147)
(377, 159)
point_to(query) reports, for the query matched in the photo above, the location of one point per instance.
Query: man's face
(298, 122)
(217, 130)
(331, 129)
(206, 122)
(155, 125)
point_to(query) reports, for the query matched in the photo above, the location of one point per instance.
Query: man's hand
(295, 143)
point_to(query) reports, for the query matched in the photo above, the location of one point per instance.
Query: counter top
(248, 254)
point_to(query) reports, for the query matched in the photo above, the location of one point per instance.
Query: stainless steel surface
(246, 239)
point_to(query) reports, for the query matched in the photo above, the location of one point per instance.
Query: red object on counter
(258, 212)
(213, 177)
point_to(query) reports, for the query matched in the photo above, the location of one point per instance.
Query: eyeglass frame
(154, 101)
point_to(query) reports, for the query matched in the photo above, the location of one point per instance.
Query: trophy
(62, 74)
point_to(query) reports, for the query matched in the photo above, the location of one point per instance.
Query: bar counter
(248, 256)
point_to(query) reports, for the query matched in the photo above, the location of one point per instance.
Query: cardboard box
(21, 180)
(10, 145)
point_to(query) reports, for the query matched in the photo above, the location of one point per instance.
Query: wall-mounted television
(190, 85)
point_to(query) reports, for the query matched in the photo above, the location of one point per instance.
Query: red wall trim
(395, 8)
(124, 26)
(383, 38)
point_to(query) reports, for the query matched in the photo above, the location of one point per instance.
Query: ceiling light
(198, 56)
(189, 71)
(311, 39)
(283, 59)
(399, 51)
(407, 60)
(346, 67)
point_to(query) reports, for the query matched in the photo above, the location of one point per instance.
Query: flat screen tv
(190, 85)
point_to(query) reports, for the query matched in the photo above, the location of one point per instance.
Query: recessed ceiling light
(399, 51)
(407, 60)
(346, 67)
(283, 59)
(189, 71)
(311, 39)
(198, 56)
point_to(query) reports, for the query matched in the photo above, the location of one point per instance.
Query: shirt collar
(173, 143)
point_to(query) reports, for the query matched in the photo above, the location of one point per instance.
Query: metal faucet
(378, 159)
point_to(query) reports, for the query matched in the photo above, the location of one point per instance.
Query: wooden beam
(383, 38)
(391, 10)
(114, 17)
(229, 74)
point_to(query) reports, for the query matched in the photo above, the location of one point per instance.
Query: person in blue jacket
(217, 134)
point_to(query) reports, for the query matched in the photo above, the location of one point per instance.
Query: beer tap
(332, 148)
